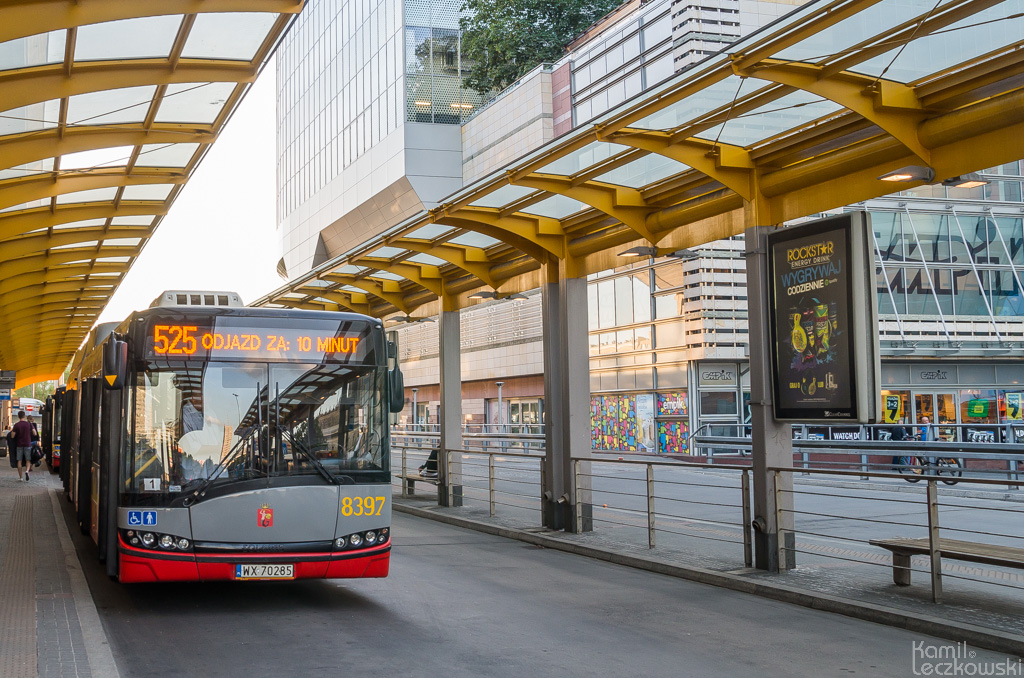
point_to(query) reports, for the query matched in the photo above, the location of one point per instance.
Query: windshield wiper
(330, 477)
(229, 457)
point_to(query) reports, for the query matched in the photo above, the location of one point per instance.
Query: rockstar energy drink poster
(814, 292)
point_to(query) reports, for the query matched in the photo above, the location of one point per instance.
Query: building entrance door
(940, 408)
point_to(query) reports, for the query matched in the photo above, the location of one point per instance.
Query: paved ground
(48, 623)
(698, 521)
(457, 603)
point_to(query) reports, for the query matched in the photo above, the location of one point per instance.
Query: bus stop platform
(49, 626)
(842, 578)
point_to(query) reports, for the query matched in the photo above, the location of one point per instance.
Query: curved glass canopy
(801, 117)
(108, 110)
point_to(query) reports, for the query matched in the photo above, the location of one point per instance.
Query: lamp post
(415, 417)
(499, 384)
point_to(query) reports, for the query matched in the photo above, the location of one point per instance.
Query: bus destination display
(323, 342)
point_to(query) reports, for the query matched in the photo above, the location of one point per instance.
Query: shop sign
(823, 321)
(716, 374)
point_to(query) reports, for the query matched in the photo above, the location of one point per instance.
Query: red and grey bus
(217, 443)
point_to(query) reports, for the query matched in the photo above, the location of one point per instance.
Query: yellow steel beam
(32, 17)
(11, 269)
(38, 188)
(387, 290)
(622, 203)
(30, 244)
(19, 149)
(892, 106)
(472, 260)
(727, 164)
(539, 237)
(426, 276)
(25, 86)
(16, 223)
(68, 299)
(37, 275)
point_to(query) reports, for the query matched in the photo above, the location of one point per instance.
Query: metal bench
(989, 554)
(409, 481)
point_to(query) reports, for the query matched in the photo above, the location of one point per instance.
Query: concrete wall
(512, 126)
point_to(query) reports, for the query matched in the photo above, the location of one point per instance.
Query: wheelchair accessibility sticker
(141, 518)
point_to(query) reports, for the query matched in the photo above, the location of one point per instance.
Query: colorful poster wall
(633, 423)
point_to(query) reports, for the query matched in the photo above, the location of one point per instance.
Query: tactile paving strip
(17, 591)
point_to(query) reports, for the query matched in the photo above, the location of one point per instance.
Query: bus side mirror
(396, 390)
(115, 363)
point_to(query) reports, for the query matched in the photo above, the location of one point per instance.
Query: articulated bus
(231, 443)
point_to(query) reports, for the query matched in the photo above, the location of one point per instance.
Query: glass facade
(339, 81)
(434, 67)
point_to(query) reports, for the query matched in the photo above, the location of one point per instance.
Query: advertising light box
(824, 321)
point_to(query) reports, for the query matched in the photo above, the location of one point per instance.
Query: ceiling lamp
(909, 173)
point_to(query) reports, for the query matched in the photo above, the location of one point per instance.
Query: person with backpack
(37, 448)
(22, 433)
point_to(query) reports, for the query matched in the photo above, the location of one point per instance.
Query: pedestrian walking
(23, 444)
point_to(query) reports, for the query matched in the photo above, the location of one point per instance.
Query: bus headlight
(166, 542)
(183, 544)
(356, 540)
(148, 539)
(339, 543)
(371, 538)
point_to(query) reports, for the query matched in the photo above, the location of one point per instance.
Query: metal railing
(977, 521)
(857, 453)
(674, 487)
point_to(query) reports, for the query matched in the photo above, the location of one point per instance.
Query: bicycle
(914, 467)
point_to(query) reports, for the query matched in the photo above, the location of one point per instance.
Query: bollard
(933, 542)
(748, 550)
(650, 506)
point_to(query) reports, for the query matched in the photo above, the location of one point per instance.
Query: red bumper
(142, 565)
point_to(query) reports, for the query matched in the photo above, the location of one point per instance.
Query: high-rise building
(370, 101)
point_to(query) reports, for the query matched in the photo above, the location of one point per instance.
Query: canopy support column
(567, 485)
(449, 491)
(771, 440)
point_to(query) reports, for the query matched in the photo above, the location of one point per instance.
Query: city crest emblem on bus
(265, 516)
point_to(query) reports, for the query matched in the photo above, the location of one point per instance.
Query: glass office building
(370, 99)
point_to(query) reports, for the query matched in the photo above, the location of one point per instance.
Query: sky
(220, 232)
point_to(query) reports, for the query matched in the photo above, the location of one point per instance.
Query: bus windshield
(199, 421)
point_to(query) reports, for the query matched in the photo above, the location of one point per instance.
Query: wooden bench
(409, 481)
(989, 554)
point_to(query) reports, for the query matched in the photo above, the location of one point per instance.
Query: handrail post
(650, 506)
(864, 466)
(1013, 475)
(933, 541)
(543, 484)
(576, 488)
(780, 535)
(405, 481)
(490, 481)
(447, 474)
(748, 551)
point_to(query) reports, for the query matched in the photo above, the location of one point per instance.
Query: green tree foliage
(504, 39)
